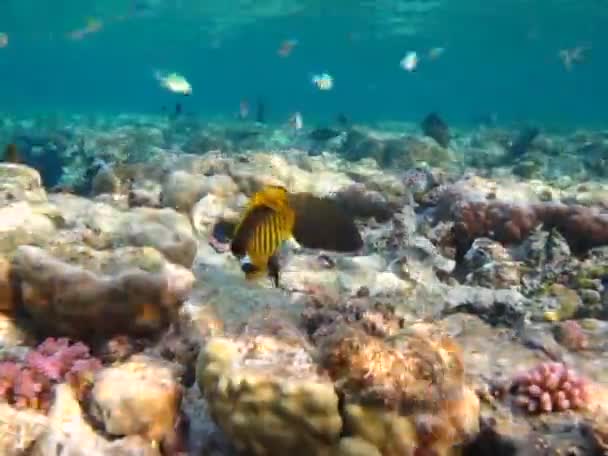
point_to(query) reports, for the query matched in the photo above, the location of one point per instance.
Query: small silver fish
(296, 121)
(410, 61)
(174, 82)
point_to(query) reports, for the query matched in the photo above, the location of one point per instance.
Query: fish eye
(248, 268)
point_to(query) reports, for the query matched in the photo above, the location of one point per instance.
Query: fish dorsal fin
(320, 223)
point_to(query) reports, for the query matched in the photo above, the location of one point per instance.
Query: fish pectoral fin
(249, 268)
(292, 243)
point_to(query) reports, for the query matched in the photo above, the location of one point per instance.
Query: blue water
(501, 56)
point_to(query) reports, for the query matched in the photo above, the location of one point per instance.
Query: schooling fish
(274, 216)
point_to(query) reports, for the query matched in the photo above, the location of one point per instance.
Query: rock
(140, 397)
(488, 264)
(492, 359)
(504, 435)
(204, 437)
(68, 430)
(105, 181)
(140, 197)
(389, 284)
(181, 191)
(224, 302)
(20, 183)
(25, 223)
(359, 202)
(102, 227)
(67, 299)
(19, 429)
(14, 333)
(208, 210)
(495, 306)
(8, 300)
(163, 229)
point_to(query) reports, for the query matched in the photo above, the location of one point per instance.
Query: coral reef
(267, 395)
(488, 264)
(29, 383)
(415, 381)
(67, 299)
(550, 387)
(510, 267)
(570, 334)
(141, 384)
(321, 318)
(399, 397)
(476, 215)
(68, 429)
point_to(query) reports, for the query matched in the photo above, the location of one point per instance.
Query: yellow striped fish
(273, 216)
(267, 222)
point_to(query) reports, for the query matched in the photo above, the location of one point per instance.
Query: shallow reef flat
(473, 320)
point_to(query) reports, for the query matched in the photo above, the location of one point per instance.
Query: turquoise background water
(501, 56)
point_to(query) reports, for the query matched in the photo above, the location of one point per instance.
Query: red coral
(29, 384)
(550, 387)
(570, 334)
(475, 215)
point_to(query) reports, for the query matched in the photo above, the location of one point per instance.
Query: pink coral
(570, 334)
(550, 387)
(29, 383)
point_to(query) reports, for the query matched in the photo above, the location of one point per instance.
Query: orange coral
(418, 374)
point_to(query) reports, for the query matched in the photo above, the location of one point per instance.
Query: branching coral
(550, 387)
(29, 383)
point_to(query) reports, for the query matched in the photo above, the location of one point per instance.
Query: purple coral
(550, 387)
(29, 383)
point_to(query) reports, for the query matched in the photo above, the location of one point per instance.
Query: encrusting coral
(267, 395)
(549, 387)
(141, 384)
(321, 319)
(570, 334)
(405, 394)
(62, 298)
(29, 383)
(411, 384)
(476, 215)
